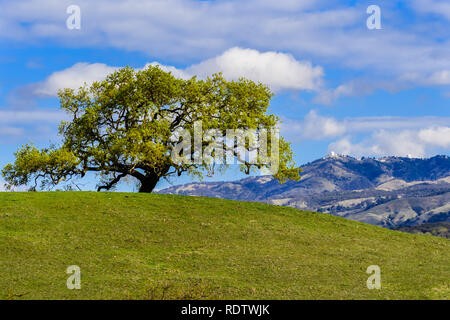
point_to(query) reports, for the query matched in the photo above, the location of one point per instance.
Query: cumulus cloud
(382, 143)
(73, 77)
(178, 73)
(278, 70)
(413, 143)
(373, 136)
(439, 136)
(312, 127)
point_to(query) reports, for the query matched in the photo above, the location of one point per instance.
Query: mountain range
(391, 192)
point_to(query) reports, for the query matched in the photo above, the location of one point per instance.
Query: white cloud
(316, 127)
(436, 78)
(440, 7)
(178, 73)
(185, 30)
(176, 28)
(440, 78)
(11, 116)
(344, 146)
(439, 136)
(415, 143)
(328, 96)
(382, 143)
(360, 87)
(278, 70)
(11, 131)
(73, 77)
(378, 136)
(370, 124)
(32, 124)
(312, 127)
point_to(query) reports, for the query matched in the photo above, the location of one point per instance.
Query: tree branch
(112, 182)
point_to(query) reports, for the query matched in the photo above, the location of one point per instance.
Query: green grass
(140, 246)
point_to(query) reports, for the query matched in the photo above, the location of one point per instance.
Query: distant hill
(440, 229)
(153, 246)
(389, 192)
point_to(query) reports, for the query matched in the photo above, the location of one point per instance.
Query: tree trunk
(148, 184)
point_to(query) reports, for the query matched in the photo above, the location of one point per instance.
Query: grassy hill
(140, 246)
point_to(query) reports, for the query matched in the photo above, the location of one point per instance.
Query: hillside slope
(389, 192)
(140, 246)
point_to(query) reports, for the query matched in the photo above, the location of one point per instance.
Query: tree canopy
(130, 124)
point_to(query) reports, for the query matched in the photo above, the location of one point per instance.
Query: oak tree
(125, 125)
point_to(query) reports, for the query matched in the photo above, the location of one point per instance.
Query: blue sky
(339, 85)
